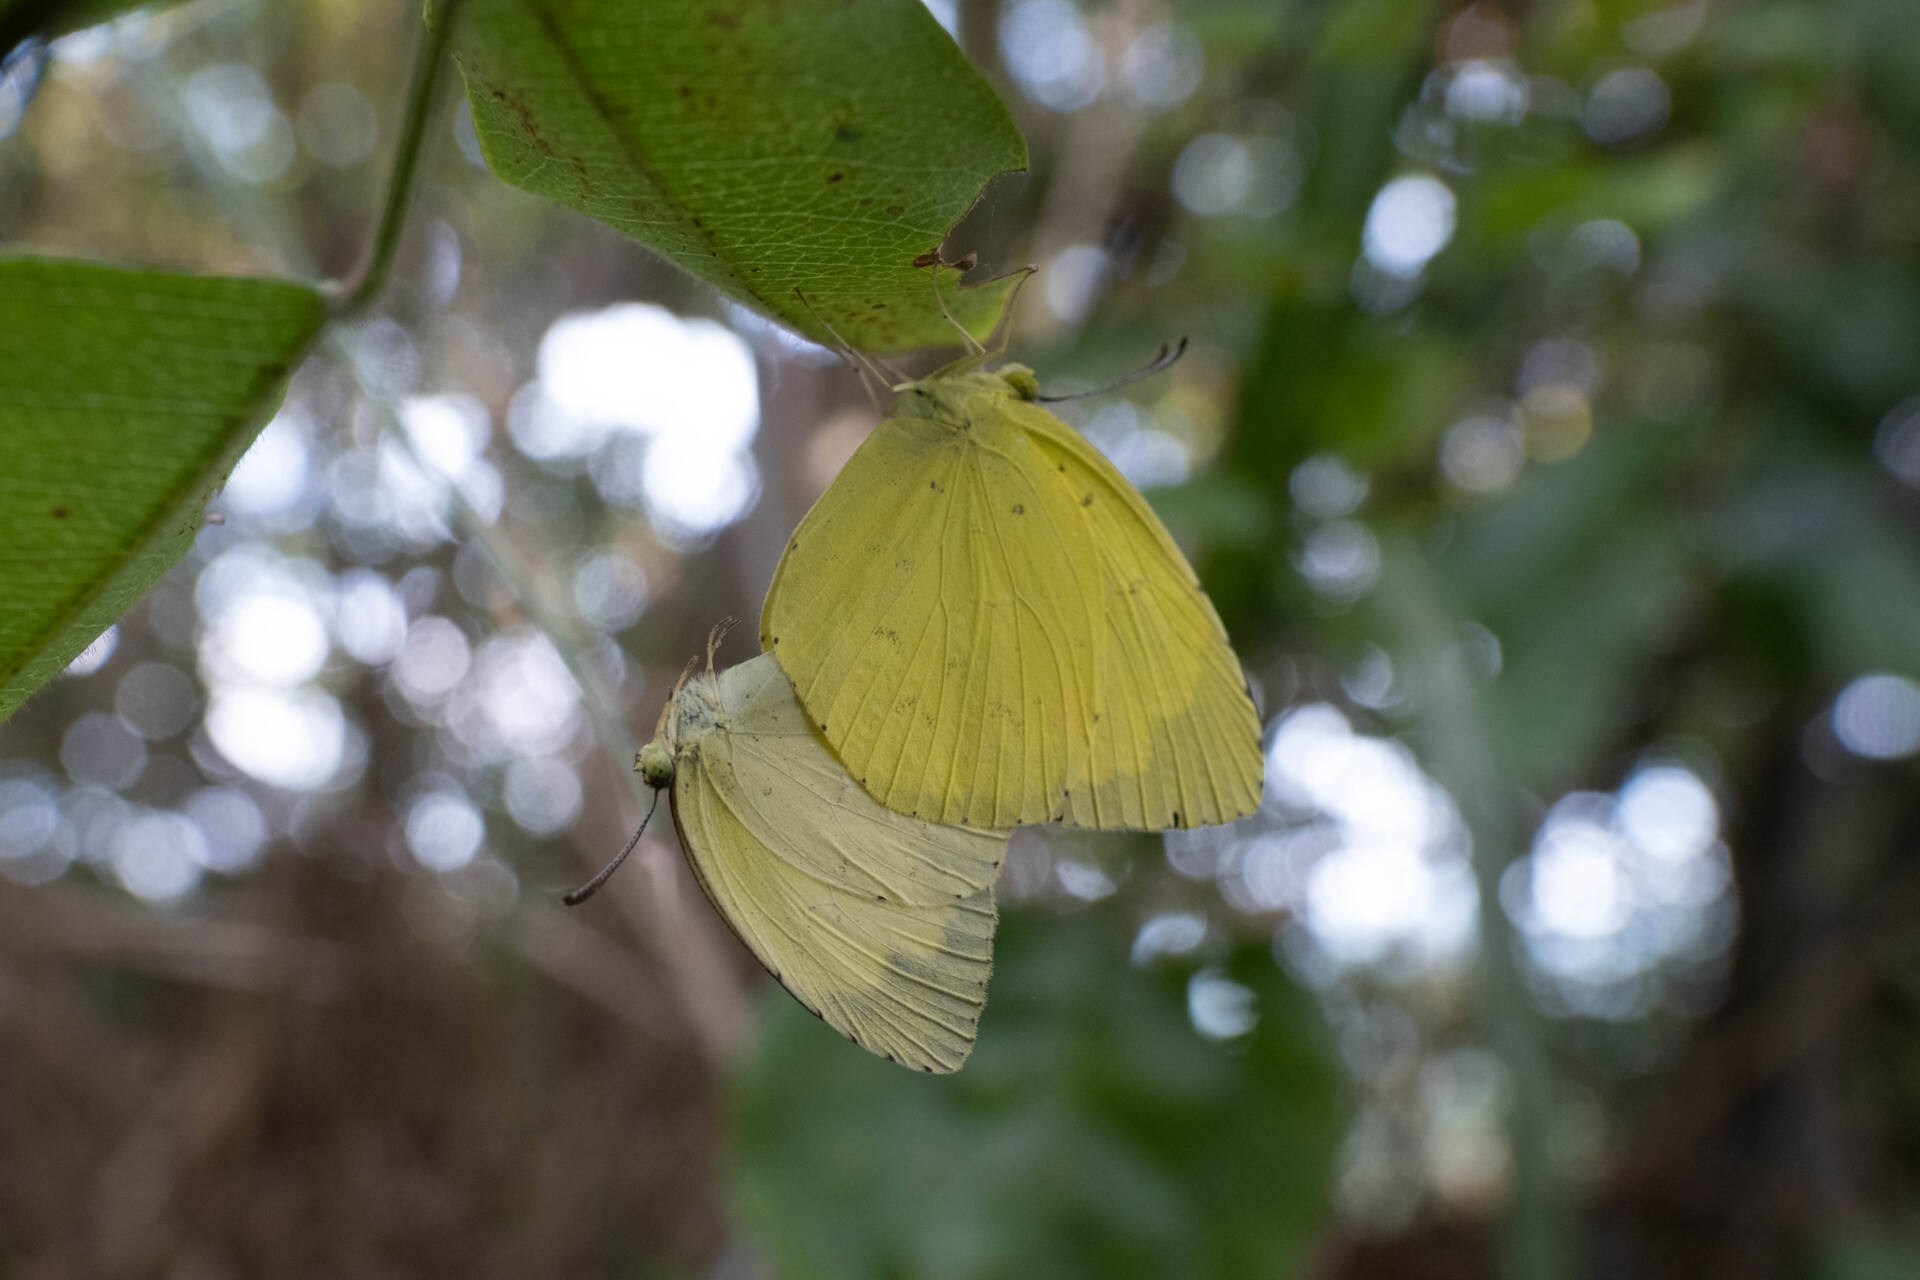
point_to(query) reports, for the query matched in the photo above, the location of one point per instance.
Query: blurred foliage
(21, 19)
(1094, 1132)
(1870, 1256)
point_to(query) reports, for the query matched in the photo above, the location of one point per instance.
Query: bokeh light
(1878, 717)
(1051, 54)
(1409, 222)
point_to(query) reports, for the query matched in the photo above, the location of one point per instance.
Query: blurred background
(1549, 441)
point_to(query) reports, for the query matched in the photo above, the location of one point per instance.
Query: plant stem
(1538, 1235)
(371, 279)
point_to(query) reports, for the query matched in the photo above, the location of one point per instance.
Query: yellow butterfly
(879, 924)
(990, 626)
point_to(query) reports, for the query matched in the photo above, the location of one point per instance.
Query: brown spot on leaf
(896, 210)
(61, 513)
(927, 259)
(836, 176)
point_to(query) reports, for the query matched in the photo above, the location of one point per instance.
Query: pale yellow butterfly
(990, 626)
(879, 924)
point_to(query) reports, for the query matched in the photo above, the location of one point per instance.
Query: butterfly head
(1022, 381)
(655, 764)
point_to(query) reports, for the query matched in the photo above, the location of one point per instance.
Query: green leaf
(810, 147)
(125, 398)
(1093, 1133)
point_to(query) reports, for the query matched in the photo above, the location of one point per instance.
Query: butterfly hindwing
(880, 924)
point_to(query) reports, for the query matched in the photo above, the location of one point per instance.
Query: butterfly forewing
(990, 626)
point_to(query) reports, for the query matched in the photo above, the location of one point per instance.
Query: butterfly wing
(880, 924)
(1184, 747)
(990, 626)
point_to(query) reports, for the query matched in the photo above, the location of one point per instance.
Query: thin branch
(224, 952)
(371, 280)
(689, 950)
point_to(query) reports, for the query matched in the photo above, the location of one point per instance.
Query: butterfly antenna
(1158, 364)
(966, 336)
(592, 886)
(870, 370)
